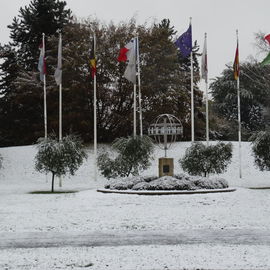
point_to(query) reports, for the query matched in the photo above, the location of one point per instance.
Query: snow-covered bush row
(177, 182)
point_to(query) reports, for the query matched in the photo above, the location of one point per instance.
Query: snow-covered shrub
(133, 156)
(171, 183)
(261, 149)
(203, 160)
(179, 182)
(124, 183)
(59, 158)
(207, 183)
(150, 178)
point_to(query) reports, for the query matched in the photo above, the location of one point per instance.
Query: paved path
(75, 239)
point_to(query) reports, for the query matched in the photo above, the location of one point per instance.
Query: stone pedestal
(165, 166)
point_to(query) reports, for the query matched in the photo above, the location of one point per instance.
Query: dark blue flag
(184, 42)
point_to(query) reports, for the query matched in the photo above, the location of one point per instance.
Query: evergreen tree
(254, 89)
(21, 103)
(41, 16)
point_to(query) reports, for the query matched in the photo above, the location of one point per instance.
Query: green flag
(266, 60)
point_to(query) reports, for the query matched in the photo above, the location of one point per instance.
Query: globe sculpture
(165, 130)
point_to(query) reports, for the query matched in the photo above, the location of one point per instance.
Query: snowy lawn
(139, 258)
(89, 211)
(92, 211)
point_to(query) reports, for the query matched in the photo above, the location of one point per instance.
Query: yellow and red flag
(236, 69)
(93, 61)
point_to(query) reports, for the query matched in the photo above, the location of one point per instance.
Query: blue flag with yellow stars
(184, 42)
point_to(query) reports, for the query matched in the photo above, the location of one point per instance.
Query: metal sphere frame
(168, 126)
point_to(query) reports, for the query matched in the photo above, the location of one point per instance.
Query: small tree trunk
(129, 171)
(52, 182)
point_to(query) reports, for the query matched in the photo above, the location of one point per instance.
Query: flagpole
(95, 116)
(44, 89)
(134, 102)
(134, 110)
(139, 85)
(60, 99)
(60, 105)
(206, 100)
(192, 92)
(207, 113)
(239, 115)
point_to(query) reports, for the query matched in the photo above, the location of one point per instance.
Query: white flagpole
(239, 128)
(239, 114)
(44, 93)
(134, 110)
(44, 89)
(60, 105)
(207, 113)
(95, 117)
(206, 95)
(134, 103)
(139, 84)
(60, 98)
(192, 93)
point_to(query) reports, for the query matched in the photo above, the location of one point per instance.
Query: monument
(165, 129)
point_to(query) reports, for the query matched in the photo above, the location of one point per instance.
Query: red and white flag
(128, 54)
(267, 38)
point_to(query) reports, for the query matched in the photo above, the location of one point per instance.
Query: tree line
(165, 77)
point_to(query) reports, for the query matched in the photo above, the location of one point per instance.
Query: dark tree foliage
(10, 67)
(59, 158)
(114, 92)
(254, 89)
(21, 103)
(203, 160)
(41, 16)
(165, 79)
(133, 156)
(261, 149)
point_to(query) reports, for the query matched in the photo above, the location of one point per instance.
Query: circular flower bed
(176, 182)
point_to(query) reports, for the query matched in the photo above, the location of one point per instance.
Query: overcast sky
(219, 19)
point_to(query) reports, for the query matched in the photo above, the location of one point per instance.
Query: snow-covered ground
(88, 211)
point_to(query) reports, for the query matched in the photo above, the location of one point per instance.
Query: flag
(266, 60)
(58, 71)
(184, 42)
(267, 38)
(204, 68)
(128, 54)
(42, 63)
(93, 61)
(236, 69)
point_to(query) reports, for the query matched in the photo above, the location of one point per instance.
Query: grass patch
(259, 188)
(55, 192)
